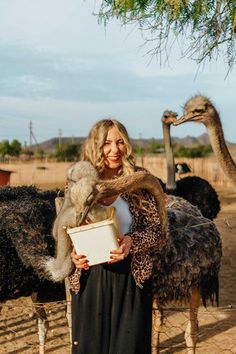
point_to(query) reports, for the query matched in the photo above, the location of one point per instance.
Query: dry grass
(48, 175)
(45, 175)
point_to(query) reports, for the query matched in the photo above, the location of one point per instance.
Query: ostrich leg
(68, 307)
(191, 333)
(42, 322)
(157, 322)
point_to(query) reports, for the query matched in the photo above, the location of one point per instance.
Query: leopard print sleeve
(74, 280)
(146, 232)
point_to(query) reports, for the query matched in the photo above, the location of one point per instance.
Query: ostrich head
(199, 109)
(169, 117)
(83, 179)
(80, 170)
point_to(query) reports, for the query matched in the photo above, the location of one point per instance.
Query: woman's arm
(151, 235)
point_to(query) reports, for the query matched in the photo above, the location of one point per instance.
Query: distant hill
(50, 145)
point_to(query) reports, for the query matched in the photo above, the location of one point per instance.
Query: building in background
(5, 177)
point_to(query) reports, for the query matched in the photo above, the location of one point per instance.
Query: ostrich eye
(199, 110)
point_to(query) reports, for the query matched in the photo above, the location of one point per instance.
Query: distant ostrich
(182, 168)
(194, 189)
(201, 110)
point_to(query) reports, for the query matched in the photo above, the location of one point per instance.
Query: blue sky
(62, 70)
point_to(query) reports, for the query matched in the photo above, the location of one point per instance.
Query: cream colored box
(96, 240)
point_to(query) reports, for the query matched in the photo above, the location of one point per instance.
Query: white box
(96, 240)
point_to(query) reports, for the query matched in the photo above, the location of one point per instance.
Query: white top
(123, 214)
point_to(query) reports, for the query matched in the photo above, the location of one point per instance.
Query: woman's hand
(122, 251)
(80, 261)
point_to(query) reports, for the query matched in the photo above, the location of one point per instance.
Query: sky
(63, 71)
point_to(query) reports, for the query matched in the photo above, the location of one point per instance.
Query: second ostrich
(200, 109)
(186, 259)
(194, 189)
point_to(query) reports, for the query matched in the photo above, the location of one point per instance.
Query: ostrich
(182, 168)
(34, 251)
(201, 110)
(194, 189)
(183, 269)
(26, 218)
(82, 185)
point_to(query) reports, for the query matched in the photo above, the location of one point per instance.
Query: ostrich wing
(193, 258)
(28, 223)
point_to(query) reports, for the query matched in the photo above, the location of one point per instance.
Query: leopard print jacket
(146, 235)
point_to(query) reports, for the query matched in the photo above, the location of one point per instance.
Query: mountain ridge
(51, 144)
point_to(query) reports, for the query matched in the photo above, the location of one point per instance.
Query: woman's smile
(114, 149)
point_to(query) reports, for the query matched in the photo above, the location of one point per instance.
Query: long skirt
(110, 314)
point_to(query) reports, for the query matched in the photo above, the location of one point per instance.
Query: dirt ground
(18, 328)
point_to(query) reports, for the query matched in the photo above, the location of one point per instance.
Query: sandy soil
(18, 329)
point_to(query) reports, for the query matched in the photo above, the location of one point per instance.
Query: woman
(112, 311)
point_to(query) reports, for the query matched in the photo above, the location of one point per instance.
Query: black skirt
(110, 314)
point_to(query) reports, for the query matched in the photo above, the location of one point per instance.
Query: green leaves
(208, 25)
(10, 149)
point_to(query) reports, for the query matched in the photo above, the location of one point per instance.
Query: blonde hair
(92, 149)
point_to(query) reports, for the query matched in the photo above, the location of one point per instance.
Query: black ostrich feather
(26, 219)
(200, 193)
(192, 258)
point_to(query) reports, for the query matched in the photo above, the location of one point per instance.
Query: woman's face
(114, 148)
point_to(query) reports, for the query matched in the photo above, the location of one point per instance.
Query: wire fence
(18, 329)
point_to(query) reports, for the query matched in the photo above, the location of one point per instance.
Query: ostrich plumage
(194, 189)
(191, 251)
(26, 218)
(192, 256)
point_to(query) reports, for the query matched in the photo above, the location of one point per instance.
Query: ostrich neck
(133, 182)
(170, 183)
(221, 151)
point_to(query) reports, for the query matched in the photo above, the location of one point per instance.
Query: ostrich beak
(182, 119)
(188, 117)
(83, 215)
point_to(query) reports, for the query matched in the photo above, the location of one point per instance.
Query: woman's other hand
(122, 251)
(80, 261)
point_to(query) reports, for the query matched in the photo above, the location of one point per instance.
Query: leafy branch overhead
(208, 26)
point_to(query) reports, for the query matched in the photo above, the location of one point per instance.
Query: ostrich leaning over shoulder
(186, 259)
(200, 109)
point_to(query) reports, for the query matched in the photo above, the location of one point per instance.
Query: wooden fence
(46, 174)
(206, 168)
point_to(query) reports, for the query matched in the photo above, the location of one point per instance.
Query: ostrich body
(201, 110)
(194, 189)
(26, 219)
(186, 264)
